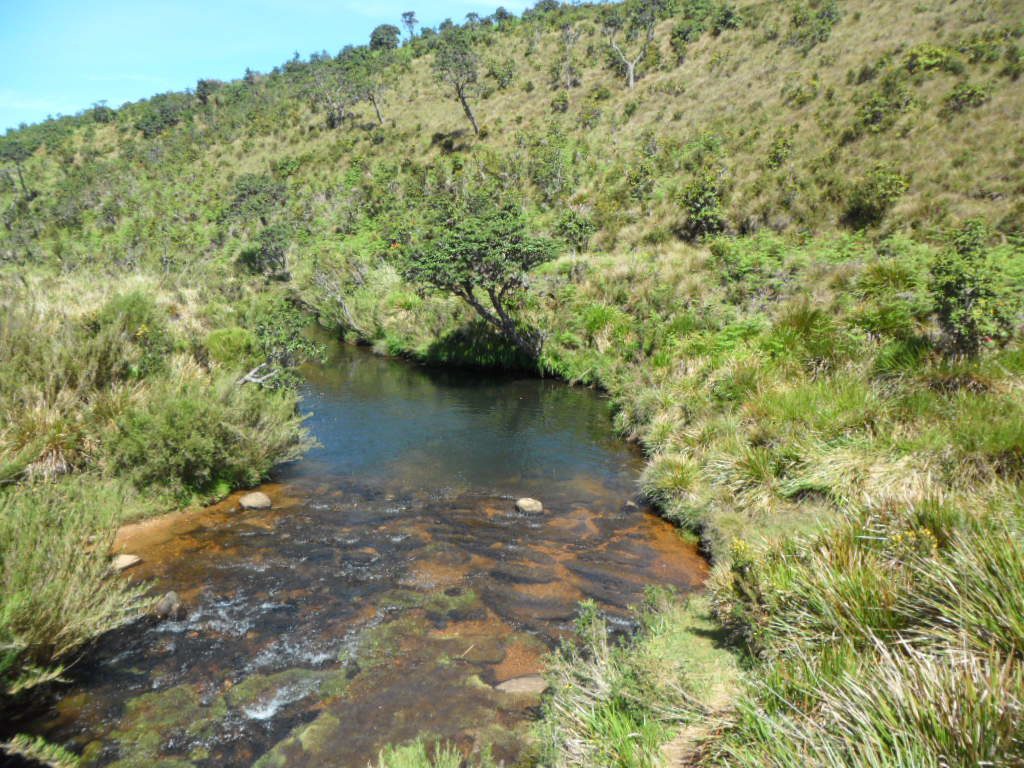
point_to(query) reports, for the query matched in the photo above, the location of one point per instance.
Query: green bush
(269, 256)
(575, 228)
(972, 308)
(873, 196)
(965, 96)
(199, 437)
(927, 57)
(233, 347)
(702, 204)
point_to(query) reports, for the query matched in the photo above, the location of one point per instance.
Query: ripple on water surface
(390, 589)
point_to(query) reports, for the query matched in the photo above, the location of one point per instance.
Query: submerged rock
(529, 506)
(532, 685)
(123, 561)
(255, 500)
(169, 607)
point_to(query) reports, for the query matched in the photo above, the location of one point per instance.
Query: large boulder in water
(255, 500)
(529, 506)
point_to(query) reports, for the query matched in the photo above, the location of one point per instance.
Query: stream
(389, 591)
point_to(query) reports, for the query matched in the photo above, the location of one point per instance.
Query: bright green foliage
(480, 248)
(233, 347)
(38, 750)
(966, 96)
(971, 308)
(927, 57)
(417, 754)
(811, 24)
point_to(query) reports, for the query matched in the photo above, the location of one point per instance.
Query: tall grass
(58, 591)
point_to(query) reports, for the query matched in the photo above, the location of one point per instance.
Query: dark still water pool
(390, 591)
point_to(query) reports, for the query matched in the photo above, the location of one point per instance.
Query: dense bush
(701, 200)
(971, 308)
(873, 196)
(205, 437)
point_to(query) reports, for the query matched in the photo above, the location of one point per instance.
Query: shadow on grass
(476, 345)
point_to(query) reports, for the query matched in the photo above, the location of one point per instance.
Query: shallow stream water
(390, 589)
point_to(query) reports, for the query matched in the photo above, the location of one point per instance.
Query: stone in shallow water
(123, 561)
(169, 606)
(255, 500)
(529, 506)
(533, 685)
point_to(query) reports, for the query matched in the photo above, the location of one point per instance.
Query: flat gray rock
(255, 500)
(533, 685)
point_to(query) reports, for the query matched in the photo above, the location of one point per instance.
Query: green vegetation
(793, 258)
(117, 405)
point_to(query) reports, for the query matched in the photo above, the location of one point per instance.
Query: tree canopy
(481, 252)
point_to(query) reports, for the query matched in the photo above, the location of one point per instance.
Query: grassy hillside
(792, 253)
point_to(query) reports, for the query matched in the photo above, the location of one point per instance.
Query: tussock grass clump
(892, 639)
(616, 702)
(417, 754)
(55, 578)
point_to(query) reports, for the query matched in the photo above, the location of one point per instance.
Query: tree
(409, 21)
(366, 75)
(329, 92)
(481, 252)
(969, 303)
(456, 64)
(632, 23)
(384, 37)
(17, 151)
(565, 73)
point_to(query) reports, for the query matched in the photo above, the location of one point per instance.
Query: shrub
(503, 72)
(233, 347)
(575, 228)
(884, 106)
(812, 24)
(965, 96)
(269, 256)
(161, 112)
(198, 437)
(702, 203)
(927, 57)
(136, 319)
(874, 196)
(971, 308)
(255, 196)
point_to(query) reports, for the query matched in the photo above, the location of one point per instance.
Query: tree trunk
(21, 178)
(467, 109)
(376, 108)
(631, 74)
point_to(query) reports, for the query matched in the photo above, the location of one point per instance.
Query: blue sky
(61, 56)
